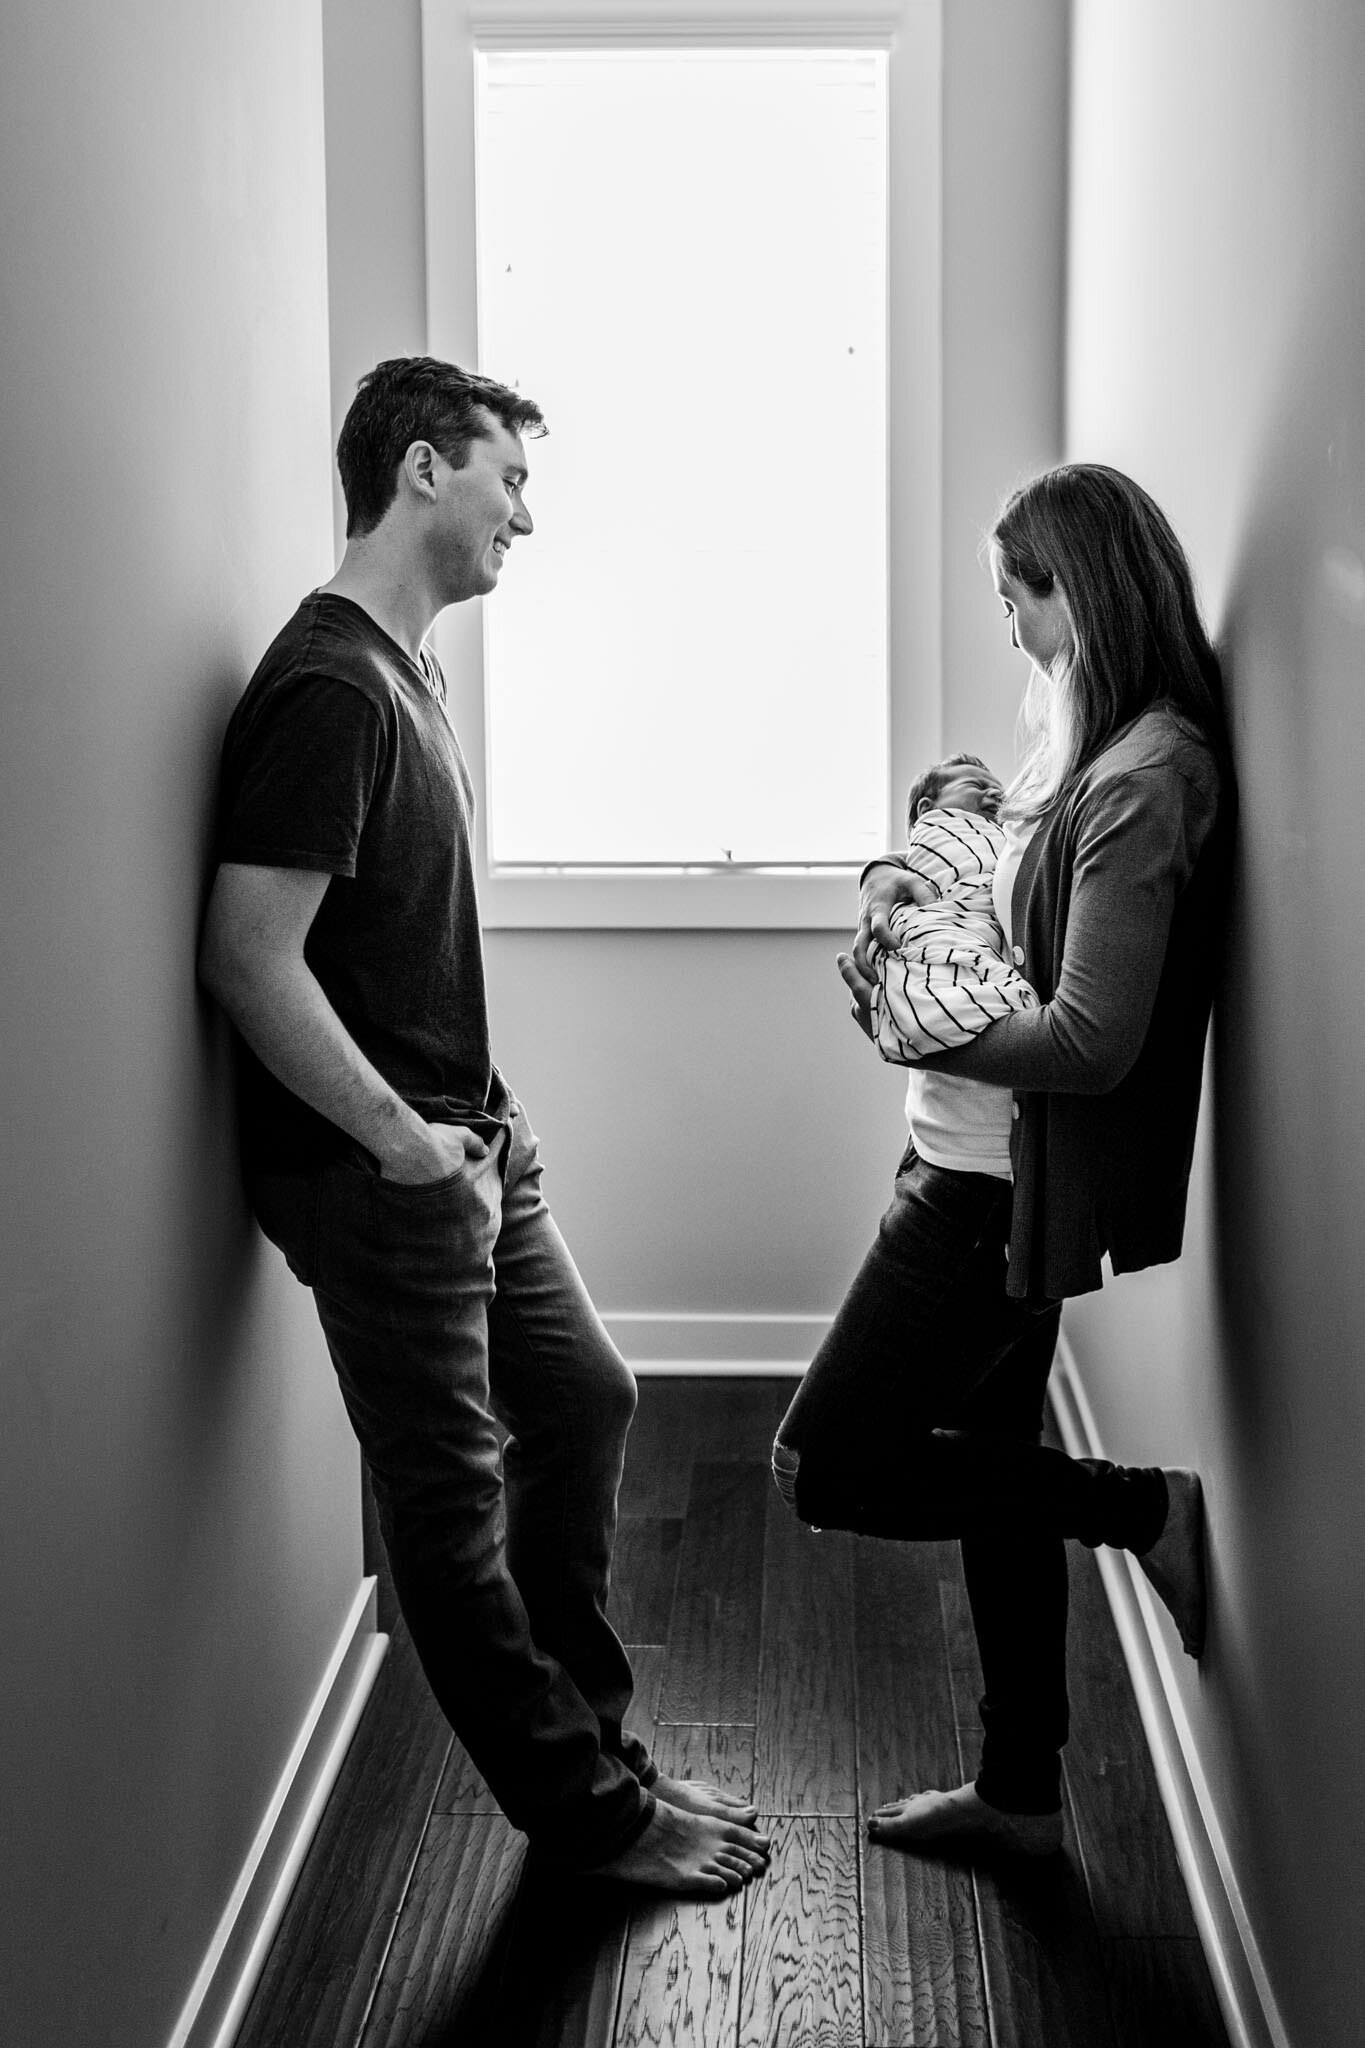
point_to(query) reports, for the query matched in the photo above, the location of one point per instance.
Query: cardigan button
(1018, 956)
(1014, 1111)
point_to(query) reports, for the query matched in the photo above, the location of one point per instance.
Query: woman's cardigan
(1117, 912)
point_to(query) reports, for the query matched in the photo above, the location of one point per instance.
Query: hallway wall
(1217, 351)
(179, 1492)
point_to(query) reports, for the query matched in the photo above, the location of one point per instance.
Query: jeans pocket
(423, 1190)
(939, 1219)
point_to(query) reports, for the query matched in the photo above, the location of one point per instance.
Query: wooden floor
(822, 1673)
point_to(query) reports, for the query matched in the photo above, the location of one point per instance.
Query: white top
(960, 1124)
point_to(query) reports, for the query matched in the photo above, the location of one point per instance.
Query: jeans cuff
(629, 1750)
(632, 1834)
(1039, 1792)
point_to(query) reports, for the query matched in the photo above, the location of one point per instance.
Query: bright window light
(682, 258)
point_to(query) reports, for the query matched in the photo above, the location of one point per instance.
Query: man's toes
(747, 1837)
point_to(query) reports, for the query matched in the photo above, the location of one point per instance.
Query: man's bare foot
(694, 1854)
(963, 1817)
(690, 1797)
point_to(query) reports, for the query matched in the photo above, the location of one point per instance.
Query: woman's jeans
(444, 1305)
(920, 1419)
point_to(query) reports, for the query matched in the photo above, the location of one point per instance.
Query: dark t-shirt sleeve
(303, 778)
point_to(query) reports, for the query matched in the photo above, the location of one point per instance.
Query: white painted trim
(717, 1368)
(508, 23)
(1229, 1941)
(227, 1976)
(713, 1344)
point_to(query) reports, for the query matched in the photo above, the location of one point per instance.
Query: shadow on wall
(212, 1304)
(1290, 1159)
(1291, 1092)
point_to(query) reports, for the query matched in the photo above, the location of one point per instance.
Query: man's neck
(398, 600)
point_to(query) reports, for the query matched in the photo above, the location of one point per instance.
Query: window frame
(910, 31)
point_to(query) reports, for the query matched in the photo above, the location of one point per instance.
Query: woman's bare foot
(695, 1854)
(690, 1797)
(963, 1816)
(1175, 1562)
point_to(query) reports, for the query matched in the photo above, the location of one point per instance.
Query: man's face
(480, 511)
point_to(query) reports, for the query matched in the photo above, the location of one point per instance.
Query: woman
(920, 1416)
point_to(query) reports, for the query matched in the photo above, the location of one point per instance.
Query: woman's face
(1040, 627)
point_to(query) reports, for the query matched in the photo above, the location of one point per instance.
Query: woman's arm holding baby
(1134, 854)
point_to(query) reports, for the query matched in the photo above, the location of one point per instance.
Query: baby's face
(968, 789)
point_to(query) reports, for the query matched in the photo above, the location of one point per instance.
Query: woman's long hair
(1095, 535)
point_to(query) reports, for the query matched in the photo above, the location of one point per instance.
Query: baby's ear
(926, 803)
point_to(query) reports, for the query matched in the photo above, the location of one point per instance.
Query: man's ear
(419, 469)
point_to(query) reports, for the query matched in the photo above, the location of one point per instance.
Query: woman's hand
(861, 988)
(884, 886)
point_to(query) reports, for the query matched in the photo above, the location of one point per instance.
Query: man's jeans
(443, 1305)
(919, 1418)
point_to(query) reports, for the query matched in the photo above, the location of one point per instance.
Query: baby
(949, 976)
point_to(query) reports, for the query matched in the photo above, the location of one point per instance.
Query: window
(681, 707)
(682, 257)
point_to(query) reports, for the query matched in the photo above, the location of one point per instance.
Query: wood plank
(647, 1663)
(921, 1962)
(1160, 1990)
(907, 1738)
(716, 1755)
(681, 1978)
(1040, 1953)
(711, 1669)
(922, 1980)
(1041, 1958)
(806, 1750)
(643, 1575)
(462, 1788)
(659, 1452)
(737, 1418)
(441, 1978)
(1136, 1885)
(801, 1986)
(326, 1959)
(568, 1967)
(680, 1981)
(718, 1417)
(560, 1976)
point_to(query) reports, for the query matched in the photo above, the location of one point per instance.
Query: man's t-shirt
(340, 758)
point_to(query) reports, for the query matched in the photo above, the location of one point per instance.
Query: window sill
(753, 899)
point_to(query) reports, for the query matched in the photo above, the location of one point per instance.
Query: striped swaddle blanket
(948, 977)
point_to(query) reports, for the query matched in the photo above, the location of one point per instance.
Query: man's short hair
(417, 398)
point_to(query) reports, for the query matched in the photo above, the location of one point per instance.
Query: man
(391, 1163)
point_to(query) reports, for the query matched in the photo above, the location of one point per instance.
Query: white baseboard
(227, 1977)
(1235, 1963)
(715, 1346)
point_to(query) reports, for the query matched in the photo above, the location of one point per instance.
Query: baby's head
(961, 783)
